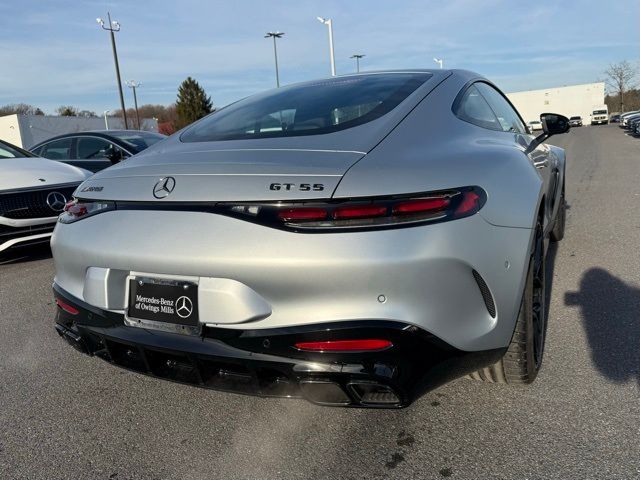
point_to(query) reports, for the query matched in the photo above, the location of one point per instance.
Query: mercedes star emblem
(164, 187)
(56, 201)
(184, 307)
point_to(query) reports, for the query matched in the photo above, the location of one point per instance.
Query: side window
(473, 108)
(58, 149)
(37, 151)
(507, 116)
(6, 153)
(274, 122)
(93, 148)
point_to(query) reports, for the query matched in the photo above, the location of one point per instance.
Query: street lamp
(113, 27)
(132, 84)
(357, 56)
(439, 61)
(106, 122)
(329, 24)
(275, 35)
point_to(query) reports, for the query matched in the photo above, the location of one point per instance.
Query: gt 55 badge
(303, 187)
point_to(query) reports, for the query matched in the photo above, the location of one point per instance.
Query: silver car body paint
(281, 278)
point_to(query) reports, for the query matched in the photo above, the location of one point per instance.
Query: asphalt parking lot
(65, 415)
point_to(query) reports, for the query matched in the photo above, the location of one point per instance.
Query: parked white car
(600, 115)
(33, 192)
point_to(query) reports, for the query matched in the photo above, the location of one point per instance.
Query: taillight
(421, 205)
(302, 214)
(470, 203)
(78, 209)
(365, 345)
(361, 213)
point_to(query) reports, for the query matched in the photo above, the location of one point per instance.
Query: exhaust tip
(374, 394)
(324, 392)
(72, 338)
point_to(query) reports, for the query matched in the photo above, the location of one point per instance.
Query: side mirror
(554, 124)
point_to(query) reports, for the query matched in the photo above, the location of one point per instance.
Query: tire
(523, 359)
(557, 233)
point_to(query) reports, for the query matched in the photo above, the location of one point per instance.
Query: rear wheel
(523, 359)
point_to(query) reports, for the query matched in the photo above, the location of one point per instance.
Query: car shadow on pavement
(25, 254)
(609, 310)
(552, 251)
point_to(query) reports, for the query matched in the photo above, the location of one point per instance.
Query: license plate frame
(162, 303)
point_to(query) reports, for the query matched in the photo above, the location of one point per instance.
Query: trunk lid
(205, 175)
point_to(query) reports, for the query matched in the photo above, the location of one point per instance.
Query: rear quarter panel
(432, 150)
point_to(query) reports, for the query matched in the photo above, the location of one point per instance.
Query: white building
(568, 101)
(27, 130)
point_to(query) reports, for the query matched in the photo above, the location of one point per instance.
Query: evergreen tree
(67, 111)
(192, 104)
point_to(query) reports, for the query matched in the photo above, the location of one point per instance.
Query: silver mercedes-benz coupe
(355, 241)
(33, 192)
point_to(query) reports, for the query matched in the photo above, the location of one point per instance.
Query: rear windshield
(574, 118)
(139, 140)
(312, 108)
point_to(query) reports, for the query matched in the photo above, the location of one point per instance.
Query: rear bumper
(265, 363)
(255, 277)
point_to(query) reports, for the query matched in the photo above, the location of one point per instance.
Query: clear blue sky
(54, 53)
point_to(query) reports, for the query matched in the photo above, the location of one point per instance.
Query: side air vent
(486, 294)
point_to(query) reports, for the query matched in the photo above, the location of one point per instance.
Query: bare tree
(87, 113)
(21, 109)
(166, 115)
(620, 78)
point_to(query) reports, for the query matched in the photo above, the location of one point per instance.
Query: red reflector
(344, 345)
(302, 214)
(66, 307)
(362, 211)
(421, 206)
(470, 203)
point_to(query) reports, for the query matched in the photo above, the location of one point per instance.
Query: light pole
(132, 84)
(113, 27)
(106, 122)
(439, 61)
(275, 35)
(329, 24)
(357, 56)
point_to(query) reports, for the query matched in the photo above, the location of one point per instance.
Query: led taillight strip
(364, 345)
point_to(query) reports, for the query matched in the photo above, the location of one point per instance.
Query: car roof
(106, 134)
(121, 132)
